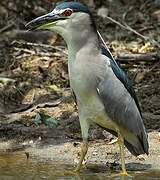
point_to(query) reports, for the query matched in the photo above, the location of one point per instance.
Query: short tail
(139, 146)
(135, 144)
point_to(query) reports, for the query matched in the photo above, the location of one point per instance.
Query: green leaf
(45, 119)
(50, 121)
(38, 119)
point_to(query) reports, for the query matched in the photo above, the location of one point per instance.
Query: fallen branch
(47, 104)
(33, 106)
(151, 116)
(138, 57)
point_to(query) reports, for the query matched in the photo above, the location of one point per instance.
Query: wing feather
(120, 101)
(121, 108)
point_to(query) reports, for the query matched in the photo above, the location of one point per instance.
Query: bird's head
(67, 18)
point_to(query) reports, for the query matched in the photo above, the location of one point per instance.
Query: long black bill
(42, 20)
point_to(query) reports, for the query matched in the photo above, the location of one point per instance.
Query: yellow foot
(124, 173)
(84, 149)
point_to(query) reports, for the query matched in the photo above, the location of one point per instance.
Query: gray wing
(121, 107)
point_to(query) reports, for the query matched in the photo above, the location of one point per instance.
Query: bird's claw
(124, 173)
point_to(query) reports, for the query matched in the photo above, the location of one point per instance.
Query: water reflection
(15, 166)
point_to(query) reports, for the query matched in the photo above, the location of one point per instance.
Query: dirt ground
(37, 108)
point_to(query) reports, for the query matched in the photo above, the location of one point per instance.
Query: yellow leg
(84, 149)
(121, 146)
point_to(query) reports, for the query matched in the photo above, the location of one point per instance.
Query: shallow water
(15, 166)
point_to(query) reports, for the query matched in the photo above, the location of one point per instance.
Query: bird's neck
(82, 42)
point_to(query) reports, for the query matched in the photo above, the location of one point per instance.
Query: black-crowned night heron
(104, 93)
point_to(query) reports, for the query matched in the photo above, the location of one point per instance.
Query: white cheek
(62, 23)
(61, 29)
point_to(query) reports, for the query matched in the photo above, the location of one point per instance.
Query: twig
(40, 45)
(31, 53)
(127, 27)
(7, 27)
(135, 32)
(146, 28)
(5, 80)
(126, 12)
(44, 55)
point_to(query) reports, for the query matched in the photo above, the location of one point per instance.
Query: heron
(105, 95)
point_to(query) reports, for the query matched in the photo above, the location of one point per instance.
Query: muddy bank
(101, 153)
(102, 156)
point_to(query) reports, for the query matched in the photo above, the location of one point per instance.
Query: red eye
(68, 12)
